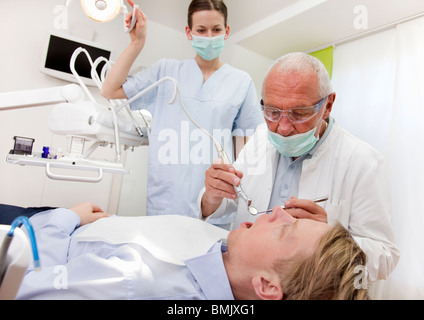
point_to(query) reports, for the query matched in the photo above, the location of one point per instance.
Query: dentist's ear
(267, 289)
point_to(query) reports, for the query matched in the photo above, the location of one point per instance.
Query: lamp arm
(40, 97)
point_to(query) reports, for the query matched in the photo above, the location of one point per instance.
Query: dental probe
(255, 212)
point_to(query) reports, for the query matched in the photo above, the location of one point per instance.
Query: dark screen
(60, 52)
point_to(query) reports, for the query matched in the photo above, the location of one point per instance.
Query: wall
(23, 28)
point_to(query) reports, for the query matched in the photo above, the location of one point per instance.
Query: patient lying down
(277, 257)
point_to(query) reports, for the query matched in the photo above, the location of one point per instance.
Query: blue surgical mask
(208, 48)
(293, 146)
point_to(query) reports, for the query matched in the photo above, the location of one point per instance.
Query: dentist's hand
(305, 209)
(220, 179)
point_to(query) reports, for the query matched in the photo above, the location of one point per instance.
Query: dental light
(101, 10)
(106, 10)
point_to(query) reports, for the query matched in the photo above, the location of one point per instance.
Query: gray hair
(300, 62)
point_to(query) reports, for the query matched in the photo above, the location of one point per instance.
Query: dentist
(220, 98)
(303, 153)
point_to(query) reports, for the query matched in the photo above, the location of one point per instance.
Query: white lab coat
(344, 168)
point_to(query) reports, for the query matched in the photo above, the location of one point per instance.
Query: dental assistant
(220, 98)
(303, 153)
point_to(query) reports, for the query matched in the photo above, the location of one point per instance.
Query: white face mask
(293, 146)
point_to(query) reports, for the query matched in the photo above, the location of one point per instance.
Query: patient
(277, 257)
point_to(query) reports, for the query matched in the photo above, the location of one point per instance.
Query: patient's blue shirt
(73, 269)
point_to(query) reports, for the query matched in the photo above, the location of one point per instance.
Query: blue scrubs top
(179, 153)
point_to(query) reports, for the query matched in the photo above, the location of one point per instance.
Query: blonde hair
(329, 274)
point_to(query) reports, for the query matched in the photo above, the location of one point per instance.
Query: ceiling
(274, 27)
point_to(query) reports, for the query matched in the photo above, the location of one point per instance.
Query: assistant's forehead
(208, 17)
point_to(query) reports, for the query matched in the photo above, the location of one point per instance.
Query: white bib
(169, 238)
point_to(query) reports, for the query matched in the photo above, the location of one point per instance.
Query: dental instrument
(254, 212)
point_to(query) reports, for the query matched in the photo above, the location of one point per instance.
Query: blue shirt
(73, 269)
(180, 153)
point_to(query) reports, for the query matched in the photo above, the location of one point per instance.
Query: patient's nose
(280, 214)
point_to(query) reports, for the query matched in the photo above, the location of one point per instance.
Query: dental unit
(82, 121)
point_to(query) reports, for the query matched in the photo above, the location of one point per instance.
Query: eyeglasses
(295, 115)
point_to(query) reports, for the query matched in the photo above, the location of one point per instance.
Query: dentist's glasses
(295, 115)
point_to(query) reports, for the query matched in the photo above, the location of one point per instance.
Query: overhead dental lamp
(101, 10)
(107, 10)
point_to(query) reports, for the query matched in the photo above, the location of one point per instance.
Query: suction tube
(19, 221)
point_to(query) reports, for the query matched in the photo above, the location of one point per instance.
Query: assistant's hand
(220, 179)
(305, 209)
(88, 213)
(138, 33)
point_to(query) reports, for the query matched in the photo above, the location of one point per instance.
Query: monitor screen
(58, 53)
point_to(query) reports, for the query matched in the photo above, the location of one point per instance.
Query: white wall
(23, 28)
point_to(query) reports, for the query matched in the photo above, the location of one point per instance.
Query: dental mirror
(253, 211)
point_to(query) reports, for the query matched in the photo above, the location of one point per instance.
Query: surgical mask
(208, 48)
(293, 146)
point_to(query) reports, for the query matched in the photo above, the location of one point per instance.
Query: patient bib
(172, 239)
